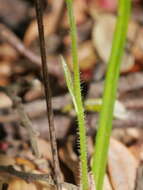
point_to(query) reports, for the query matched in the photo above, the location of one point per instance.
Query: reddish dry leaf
(108, 5)
(122, 166)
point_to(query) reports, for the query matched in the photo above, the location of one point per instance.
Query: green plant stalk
(109, 95)
(69, 82)
(78, 97)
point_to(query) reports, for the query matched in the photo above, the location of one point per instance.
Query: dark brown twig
(5, 186)
(48, 93)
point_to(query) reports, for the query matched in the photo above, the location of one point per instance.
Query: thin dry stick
(48, 93)
(23, 117)
(7, 35)
(25, 121)
(27, 176)
(31, 177)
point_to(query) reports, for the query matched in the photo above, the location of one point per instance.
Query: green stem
(78, 97)
(109, 95)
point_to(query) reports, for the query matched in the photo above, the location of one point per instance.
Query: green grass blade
(69, 82)
(78, 97)
(109, 95)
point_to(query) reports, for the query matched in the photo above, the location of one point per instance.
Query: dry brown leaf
(5, 68)
(35, 92)
(106, 185)
(51, 23)
(6, 160)
(27, 164)
(7, 52)
(138, 46)
(80, 9)
(44, 148)
(69, 158)
(122, 166)
(5, 101)
(87, 60)
(5, 72)
(102, 39)
(32, 31)
(137, 150)
(19, 184)
(87, 56)
(4, 81)
(127, 135)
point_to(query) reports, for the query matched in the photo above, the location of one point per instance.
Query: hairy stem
(78, 97)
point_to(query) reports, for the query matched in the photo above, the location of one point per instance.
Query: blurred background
(20, 69)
